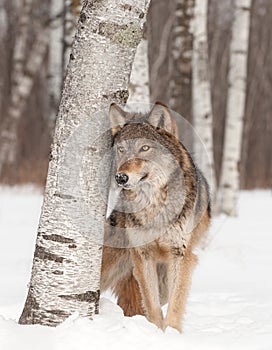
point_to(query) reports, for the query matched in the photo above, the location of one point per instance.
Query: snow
(230, 304)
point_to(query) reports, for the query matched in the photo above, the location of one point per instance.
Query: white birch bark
(21, 89)
(66, 267)
(139, 79)
(71, 14)
(181, 59)
(8, 130)
(55, 56)
(3, 32)
(229, 184)
(202, 107)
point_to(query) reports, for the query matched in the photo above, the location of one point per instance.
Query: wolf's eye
(144, 148)
(121, 149)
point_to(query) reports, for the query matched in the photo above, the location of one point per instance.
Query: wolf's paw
(172, 325)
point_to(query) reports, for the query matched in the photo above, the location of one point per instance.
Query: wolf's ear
(161, 117)
(117, 118)
(117, 115)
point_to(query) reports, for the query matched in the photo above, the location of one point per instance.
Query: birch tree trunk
(71, 14)
(23, 79)
(202, 107)
(181, 59)
(9, 124)
(229, 185)
(55, 57)
(3, 32)
(66, 267)
(139, 79)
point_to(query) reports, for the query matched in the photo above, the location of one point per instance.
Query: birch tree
(55, 56)
(139, 79)
(181, 59)
(23, 74)
(3, 32)
(71, 14)
(66, 266)
(9, 124)
(229, 185)
(202, 107)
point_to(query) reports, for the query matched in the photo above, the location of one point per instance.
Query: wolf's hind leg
(180, 277)
(129, 296)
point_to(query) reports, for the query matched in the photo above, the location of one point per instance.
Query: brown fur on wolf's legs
(129, 296)
(180, 276)
(145, 272)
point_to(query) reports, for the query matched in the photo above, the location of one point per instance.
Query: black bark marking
(57, 272)
(127, 7)
(72, 246)
(60, 313)
(31, 305)
(120, 96)
(58, 238)
(43, 254)
(89, 296)
(82, 17)
(65, 196)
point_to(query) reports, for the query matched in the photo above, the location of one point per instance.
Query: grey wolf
(161, 213)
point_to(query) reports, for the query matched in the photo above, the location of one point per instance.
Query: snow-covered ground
(230, 304)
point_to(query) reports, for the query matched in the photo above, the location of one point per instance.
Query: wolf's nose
(121, 178)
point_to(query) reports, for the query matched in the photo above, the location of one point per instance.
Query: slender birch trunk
(139, 79)
(55, 57)
(66, 267)
(9, 125)
(181, 59)
(71, 14)
(3, 32)
(21, 89)
(202, 107)
(230, 182)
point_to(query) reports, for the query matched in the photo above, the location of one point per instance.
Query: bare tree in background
(70, 17)
(66, 267)
(230, 174)
(55, 56)
(180, 88)
(3, 31)
(202, 104)
(139, 79)
(159, 31)
(8, 133)
(23, 73)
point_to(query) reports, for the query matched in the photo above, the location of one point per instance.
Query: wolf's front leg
(145, 272)
(180, 270)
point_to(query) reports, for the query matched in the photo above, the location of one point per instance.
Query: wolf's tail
(129, 296)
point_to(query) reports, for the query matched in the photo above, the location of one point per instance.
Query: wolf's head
(141, 145)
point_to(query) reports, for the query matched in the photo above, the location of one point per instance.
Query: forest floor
(230, 304)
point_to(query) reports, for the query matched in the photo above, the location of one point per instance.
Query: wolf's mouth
(144, 177)
(130, 186)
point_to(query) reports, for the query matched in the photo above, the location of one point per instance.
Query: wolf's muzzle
(121, 178)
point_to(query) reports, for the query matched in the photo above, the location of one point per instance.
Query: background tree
(57, 10)
(230, 183)
(139, 78)
(66, 267)
(180, 66)
(202, 105)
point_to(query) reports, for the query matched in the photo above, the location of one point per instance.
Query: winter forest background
(35, 42)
